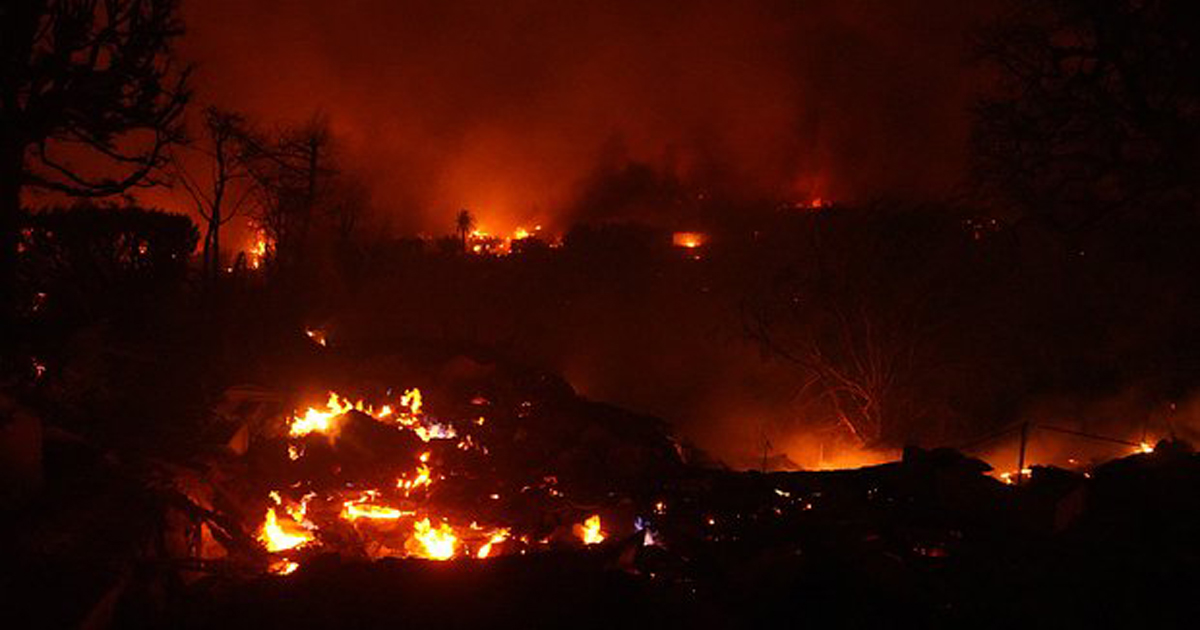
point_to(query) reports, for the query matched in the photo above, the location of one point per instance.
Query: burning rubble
(499, 486)
(334, 502)
(495, 484)
(498, 473)
(510, 464)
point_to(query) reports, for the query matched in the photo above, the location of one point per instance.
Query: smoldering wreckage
(459, 491)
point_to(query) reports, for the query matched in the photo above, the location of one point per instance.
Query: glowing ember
(1011, 477)
(589, 532)
(276, 537)
(318, 336)
(353, 511)
(434, 543)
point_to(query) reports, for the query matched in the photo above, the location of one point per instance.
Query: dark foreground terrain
(123, 540)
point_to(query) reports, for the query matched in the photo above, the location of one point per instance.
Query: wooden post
(1021, 455)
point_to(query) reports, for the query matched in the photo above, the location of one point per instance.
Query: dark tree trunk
(216, 242)
(10, 210)
(207, 256)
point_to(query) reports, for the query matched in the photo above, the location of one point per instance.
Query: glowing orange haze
(508, 108)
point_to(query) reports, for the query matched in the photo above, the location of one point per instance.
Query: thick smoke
(513, 109)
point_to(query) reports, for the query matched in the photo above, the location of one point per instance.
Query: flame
(435, 431)
(320, 420)
(1011, 477)
(589, 532)
(352, 511)
(496, 538)
(258, 251)
(412, 400)
(484, 243)
(434, 544)
(423, 477)
(275, 537)
(299, 512)
(283, 567)
(1145, 447)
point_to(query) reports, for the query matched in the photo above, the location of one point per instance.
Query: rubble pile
(491, 495)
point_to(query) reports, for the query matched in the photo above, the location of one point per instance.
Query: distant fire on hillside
(689, 240)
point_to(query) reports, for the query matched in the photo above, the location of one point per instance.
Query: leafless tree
(855, 308)
(292, 170)
(855, 360)
(83, 82)
(1095, 113)
(220, 190)
(348, 201)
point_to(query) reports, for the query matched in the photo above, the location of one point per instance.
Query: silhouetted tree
(1096, 112)
(464, 223)
(223, 151)
(351, 233)
(292, 170)
(855, 306)
(83, 81)
(349, 199)
(90, 259)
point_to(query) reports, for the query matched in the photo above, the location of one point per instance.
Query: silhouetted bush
(86, 259)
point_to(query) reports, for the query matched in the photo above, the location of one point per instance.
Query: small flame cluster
(589, 532)
(1012, 477)
(482, 243)
(259, 250)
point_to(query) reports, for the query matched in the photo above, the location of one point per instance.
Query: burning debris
(505, 478)
(398, 519)
(512, 466)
